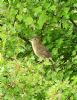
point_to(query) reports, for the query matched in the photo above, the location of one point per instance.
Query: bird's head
(35, 40)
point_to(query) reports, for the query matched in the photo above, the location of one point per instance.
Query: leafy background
(21, 76)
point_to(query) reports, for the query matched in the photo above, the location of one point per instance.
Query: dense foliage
(22, 77)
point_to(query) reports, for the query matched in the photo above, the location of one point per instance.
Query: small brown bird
(39, 49)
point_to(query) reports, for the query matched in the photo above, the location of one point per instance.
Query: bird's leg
(40, 60)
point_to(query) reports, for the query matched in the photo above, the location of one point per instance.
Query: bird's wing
(44, 52)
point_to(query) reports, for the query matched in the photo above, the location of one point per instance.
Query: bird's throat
(35, 48)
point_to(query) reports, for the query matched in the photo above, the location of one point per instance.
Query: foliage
(21, 75)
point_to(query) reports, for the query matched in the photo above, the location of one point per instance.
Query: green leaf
(73, 52)
(28, 20)
(59, 42)
(37, 10)
(42, 19)
(55, 51)
(65, 24)
(53, 7)
(75, 5)
(19, 17)
(74, 15)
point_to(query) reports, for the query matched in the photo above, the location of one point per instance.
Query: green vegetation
(22, 77)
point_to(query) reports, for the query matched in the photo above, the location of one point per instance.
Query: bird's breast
(35, 48)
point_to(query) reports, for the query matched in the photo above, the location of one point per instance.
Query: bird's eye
(35, 39)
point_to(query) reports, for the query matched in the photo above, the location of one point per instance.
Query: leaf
(65, 13)
(59, 42)
(73, 52)
(29, 20)
(75, 5)
(42, 19)
(53, 7)
(55, 51)
(74, 16)
(24, 10)
(65, 24)
(19, 17)
(37, 10)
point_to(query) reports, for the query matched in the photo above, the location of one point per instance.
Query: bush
(21, 75)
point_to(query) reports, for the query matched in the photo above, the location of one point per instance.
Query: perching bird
(39, 49)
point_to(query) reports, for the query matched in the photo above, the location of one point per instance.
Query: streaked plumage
(39, 49)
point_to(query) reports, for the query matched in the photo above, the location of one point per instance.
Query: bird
(39, 49)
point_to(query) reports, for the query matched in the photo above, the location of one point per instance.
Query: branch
(73, 22)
